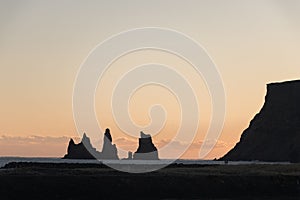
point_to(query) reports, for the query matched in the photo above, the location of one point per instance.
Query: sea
(6, 160)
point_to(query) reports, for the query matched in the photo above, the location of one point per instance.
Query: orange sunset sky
(44, 43)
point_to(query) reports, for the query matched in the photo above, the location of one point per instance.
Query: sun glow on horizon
(43, 45)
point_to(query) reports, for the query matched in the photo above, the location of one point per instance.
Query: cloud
(45, 146)
(33, 139)
(129, 144)
(126, 142)
(210, 143)
(195, 144)
(34, 145)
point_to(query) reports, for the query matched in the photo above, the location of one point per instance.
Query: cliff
(146, 149)
(85, 150)
(274, 133)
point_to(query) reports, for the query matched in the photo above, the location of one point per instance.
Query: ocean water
(5, 160)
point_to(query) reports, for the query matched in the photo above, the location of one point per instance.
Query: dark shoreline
(177, 181)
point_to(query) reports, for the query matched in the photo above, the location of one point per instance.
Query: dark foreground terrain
(86, 181)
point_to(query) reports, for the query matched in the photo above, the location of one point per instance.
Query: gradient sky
(43, 44)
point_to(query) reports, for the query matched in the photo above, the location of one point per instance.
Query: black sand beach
(86, 181)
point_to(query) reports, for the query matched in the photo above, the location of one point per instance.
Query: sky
(44, 43)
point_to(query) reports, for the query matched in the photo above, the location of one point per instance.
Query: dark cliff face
(274, 133)
(146, 149)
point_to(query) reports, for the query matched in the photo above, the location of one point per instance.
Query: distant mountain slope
(274, 133)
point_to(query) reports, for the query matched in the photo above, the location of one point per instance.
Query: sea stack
(82, 150)
(109, 150)
(274, 133)
(85, 150)
(146, 149)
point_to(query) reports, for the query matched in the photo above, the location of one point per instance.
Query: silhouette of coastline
(85, 181)
(84, 150)
(274, 133)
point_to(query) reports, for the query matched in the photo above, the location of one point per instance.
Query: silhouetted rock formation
(85, 150)
(79, 151)
(109, 150)
(274, 133)
(146, 149)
